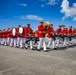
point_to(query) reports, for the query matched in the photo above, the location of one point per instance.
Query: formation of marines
(25, 37)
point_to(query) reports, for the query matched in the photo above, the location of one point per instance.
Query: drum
(20, 31)
(14, 31)
(72, 36)
(57, 35)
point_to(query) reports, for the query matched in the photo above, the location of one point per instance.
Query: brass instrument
(36, 35)
(47, 25)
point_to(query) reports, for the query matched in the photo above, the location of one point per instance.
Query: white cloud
(68, 11)
(42, 5)
(31, 17)
(22, 17)
(34, 17)
(74, 18)
(52, 2)
(23, 5)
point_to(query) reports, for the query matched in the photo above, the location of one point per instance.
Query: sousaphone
(47, 25)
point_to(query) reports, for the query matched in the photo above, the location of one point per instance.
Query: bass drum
(20, 31)
(14, 32)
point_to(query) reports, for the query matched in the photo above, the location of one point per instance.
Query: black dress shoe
(32, 49)
(55, 49)
(48, 48)
(70, 46)
(11, 46)
(21, 47)
(73, 45)
(45, 50)
(26, 48)
(38, 49)
(63, 47)
(17, 47)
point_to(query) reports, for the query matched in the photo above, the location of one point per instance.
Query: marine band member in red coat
(41, 36)
(24, 36)
(64, 32)
(4, 36)
(36, 39)
(69, 36)
(11, 38)
(51, 36)
(0, 37)
(28, 35)
(59, 37)
(8, 36)
(73, 37)
(19, 34)
(14, 39)
(58, 33)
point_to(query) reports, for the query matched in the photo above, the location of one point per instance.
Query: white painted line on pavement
(7, 69)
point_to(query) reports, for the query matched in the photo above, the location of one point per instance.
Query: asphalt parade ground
(16, 61)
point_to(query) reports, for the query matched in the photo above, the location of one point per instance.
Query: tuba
(47, 25)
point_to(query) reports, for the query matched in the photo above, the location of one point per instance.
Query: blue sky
(57, 12)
